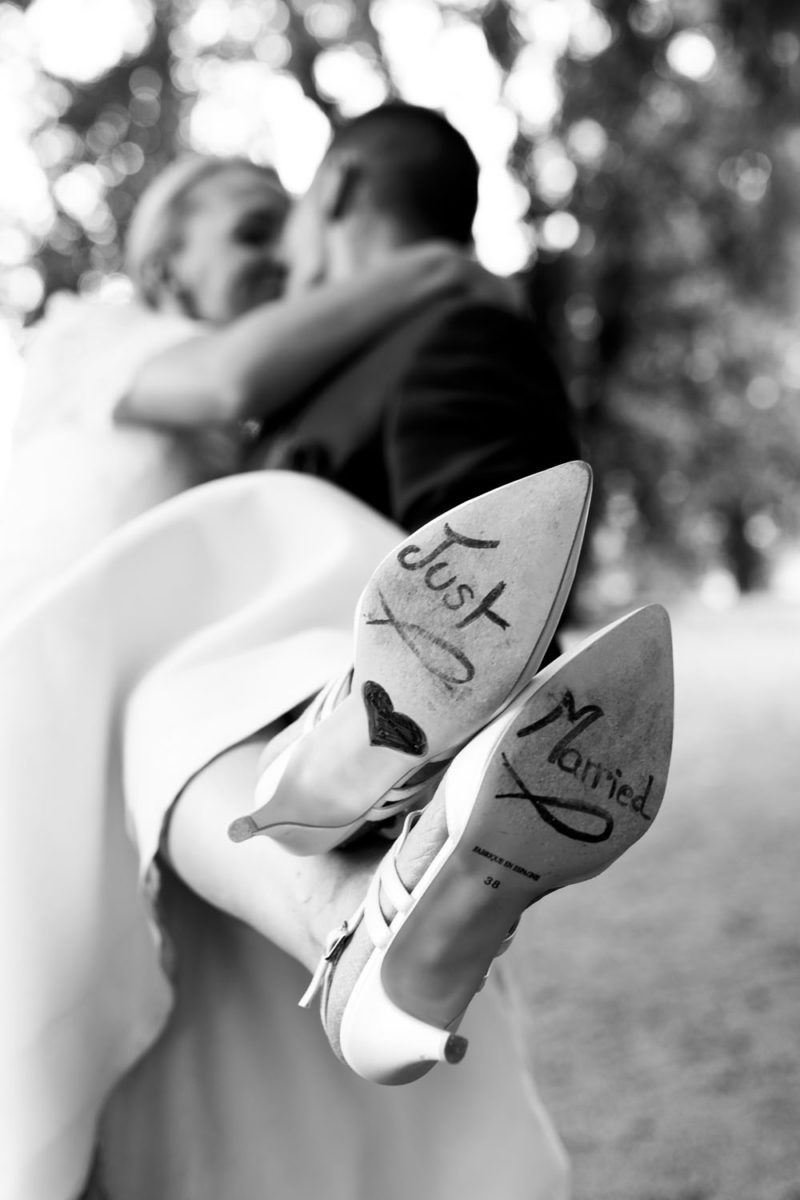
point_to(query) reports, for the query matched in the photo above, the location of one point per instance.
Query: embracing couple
(388, 835)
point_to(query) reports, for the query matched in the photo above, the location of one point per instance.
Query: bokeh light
(692, 53)
(533, 90)
(559, 231)
(244, 108)
(587, 141)
(329, 20)
(348, 76)
(22, 287)
(59, 30)
(748, 174)
(554, 172)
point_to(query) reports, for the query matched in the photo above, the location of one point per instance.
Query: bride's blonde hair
(156, 226)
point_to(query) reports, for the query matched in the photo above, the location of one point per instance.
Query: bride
(241, 1092)
(130, 403)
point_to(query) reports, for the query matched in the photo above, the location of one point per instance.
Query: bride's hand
(216, 451)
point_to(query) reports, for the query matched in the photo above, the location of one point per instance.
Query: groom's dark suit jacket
(457, 400)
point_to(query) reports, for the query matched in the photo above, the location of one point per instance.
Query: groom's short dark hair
(417, 167)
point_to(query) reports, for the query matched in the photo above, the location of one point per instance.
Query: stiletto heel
(376, 1038)
(243, 828)
(384, 1044)
(449, 629)
(549, 794)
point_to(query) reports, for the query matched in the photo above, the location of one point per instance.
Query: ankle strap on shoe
(334, 945)
(386, 878)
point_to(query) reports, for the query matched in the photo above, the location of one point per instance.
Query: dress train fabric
(242, 1097)
(186, 631)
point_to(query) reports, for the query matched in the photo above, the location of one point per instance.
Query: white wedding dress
(121, 674)
(74, 476)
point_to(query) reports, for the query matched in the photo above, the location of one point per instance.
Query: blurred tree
(123, 127)
(674, 309)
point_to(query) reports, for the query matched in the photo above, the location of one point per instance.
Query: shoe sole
(551, 794)
(451, 626)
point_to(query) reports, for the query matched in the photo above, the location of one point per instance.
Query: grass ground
(665, 996)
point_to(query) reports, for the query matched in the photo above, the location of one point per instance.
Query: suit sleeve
(480, 406)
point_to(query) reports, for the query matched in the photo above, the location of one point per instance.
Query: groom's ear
(338, 186)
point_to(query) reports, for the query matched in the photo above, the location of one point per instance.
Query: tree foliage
(687, 359)
(668, 282)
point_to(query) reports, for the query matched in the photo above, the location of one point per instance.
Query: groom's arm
(481, 404)
(262, 364)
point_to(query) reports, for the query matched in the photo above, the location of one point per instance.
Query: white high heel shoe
(451, 626)
(551, 793)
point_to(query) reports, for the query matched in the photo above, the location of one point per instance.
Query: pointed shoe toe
(451, 626)
(551, 793)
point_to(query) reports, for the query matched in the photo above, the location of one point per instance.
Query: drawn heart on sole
(387, 726)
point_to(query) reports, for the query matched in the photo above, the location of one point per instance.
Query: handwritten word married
(590, 772)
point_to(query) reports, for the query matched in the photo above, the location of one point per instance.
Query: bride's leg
(294, 902)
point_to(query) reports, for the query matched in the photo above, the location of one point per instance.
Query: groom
(457, 400)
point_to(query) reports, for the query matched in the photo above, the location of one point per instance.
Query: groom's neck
(366, 244)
